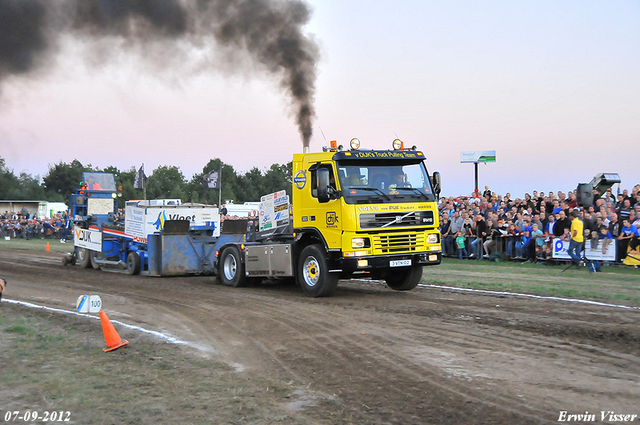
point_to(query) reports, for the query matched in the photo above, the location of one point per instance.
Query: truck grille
(396, 219)
(399, 243)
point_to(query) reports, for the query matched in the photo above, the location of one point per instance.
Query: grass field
(37, 245)
(614, 284)
(54, 363)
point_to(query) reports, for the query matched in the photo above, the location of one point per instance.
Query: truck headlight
(432, 238)
(359, 243)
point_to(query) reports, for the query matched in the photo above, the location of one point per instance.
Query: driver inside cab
(399, 181)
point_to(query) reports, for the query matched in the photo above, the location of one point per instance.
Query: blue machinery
(156, 239)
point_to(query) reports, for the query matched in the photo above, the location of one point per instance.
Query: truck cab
(374, 212)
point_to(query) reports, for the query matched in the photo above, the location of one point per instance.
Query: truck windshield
(99, 181)
(382, 181)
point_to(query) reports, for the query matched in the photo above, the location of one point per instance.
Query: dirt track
(425, 356)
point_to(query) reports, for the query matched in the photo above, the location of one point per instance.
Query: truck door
(324, 216)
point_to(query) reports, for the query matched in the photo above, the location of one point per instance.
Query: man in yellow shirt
(577, 238)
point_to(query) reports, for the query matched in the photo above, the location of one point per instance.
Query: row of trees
(164, 182)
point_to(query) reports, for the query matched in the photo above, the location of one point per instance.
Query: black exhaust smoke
(269, 31)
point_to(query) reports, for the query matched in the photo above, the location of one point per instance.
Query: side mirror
(323, 185)
(437, 183)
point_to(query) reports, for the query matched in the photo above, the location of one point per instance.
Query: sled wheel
(84, 258)
(133, 263)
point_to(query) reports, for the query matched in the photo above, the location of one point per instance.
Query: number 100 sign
(89, 304)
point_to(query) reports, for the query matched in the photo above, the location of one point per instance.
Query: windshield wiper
(418, 191)
(370, 189)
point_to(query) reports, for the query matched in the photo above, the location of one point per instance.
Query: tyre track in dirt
(428, 356)
(336, 344)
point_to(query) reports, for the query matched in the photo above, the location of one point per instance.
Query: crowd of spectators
(526, 228)
(27, 226)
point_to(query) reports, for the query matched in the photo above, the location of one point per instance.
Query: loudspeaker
(584, 194)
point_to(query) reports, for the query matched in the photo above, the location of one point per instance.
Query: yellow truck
(354, 214)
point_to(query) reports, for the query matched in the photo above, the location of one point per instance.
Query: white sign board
(147, 220)
(478, 156)
(561, 251)
(89, 304)
(99, 206)
(274, 210)
(87, 238)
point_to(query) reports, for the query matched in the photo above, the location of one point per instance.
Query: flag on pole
(140, 180)
(211, 180)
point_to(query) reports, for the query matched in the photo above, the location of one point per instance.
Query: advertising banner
(143, 221)
(561, 248)
(478, 156)
(87, 238)
(274, 210)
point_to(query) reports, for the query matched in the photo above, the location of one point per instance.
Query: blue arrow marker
(81, 303)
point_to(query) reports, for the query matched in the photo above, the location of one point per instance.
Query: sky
(552, 86)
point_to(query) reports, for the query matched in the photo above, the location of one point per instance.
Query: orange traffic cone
(110, 335)
(48, 248)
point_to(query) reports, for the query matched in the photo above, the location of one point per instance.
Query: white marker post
(89, 304)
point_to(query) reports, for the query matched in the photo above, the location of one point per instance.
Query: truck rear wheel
(231, 270)
(84, 258)
(405, 279)
(133, 263)
(313, 273)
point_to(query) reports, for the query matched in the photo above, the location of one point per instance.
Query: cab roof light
(398, 145)
(355, 144)
(333, 147)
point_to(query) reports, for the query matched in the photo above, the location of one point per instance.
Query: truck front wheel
(231, 270)
(405, 279)
(313, 273)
